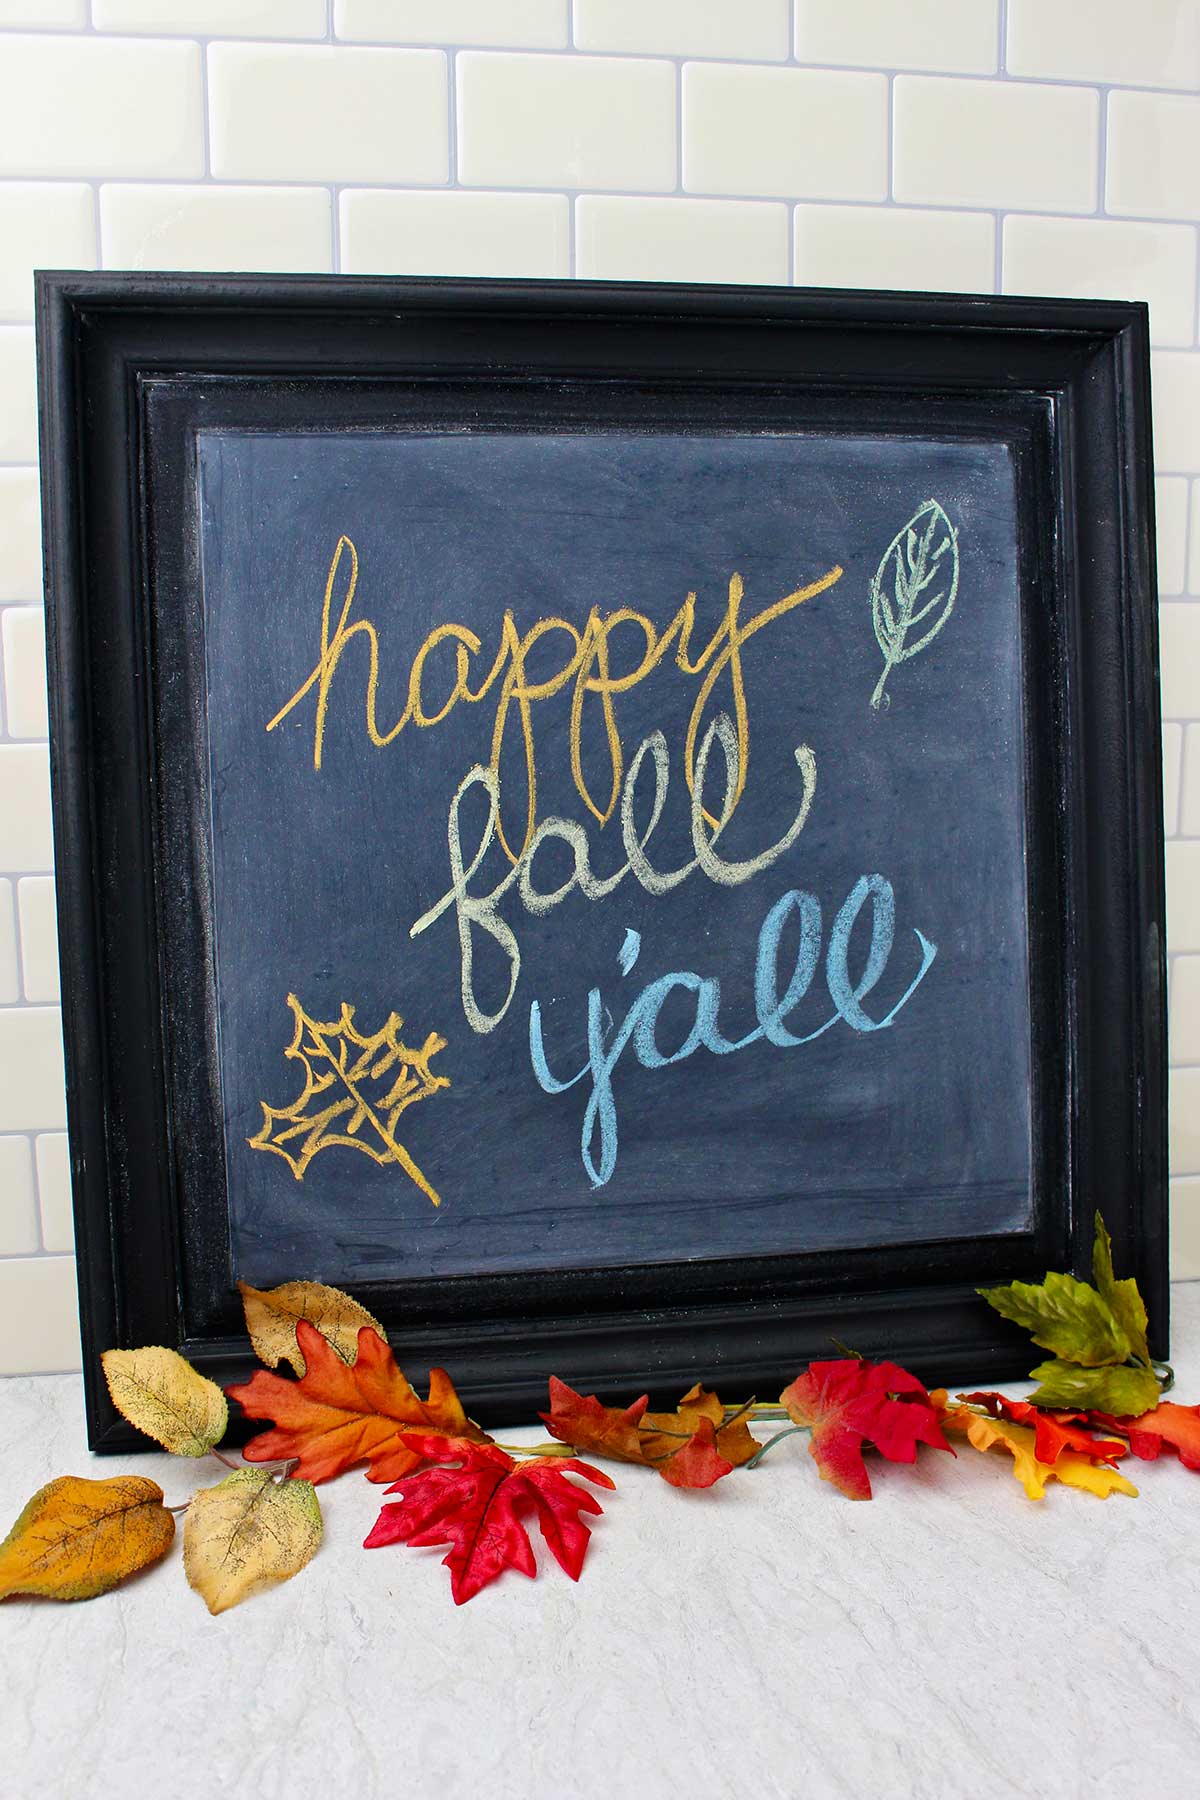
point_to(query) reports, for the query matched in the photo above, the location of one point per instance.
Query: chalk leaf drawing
(355, 1088)
(922, 555)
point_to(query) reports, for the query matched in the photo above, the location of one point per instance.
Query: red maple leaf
(1054, 1432)
(339, 1414)
(476, 1508)
(850, 1403)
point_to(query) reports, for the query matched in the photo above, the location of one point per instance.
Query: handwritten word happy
(586, 664)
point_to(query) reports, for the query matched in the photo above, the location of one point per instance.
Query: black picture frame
(131, 365)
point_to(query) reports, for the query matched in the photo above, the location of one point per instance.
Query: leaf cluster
(1097, 1333)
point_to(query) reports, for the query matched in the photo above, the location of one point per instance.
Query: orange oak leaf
(477, 1508)
(1053, 1432)
(849, 1403)
(340, 1414)
(1165, 1423)
(691, 1447)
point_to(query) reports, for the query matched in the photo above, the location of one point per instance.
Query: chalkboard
(618, 846)
(621, 824)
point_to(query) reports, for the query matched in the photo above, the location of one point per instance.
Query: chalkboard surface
(617, 847)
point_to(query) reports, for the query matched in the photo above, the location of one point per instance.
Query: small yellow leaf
(246, 1533)
(78, 1538)
(272, 1314)
(161, 1393)
(1072, 1469)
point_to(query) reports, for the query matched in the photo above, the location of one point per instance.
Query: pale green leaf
(1123, 1392)
(1124, 1300)
(1063, 1315)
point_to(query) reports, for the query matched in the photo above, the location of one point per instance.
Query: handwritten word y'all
(599, 1136)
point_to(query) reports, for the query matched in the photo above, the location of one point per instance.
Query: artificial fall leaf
(586, 1423)
(1071, 1469)
(78, 1538)
(1053, 1432)
(477, 1509)
(247, 1533)
(690, 1447)
(355, 1088)
(161, 1393)
(849, 1403)
(1064, 1315)
(1165, 1423)
(1123, 1298)
(272, 1315)
(337, 1415)
(697, 1411)
(1118, 1389)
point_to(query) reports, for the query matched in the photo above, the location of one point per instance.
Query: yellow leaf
(78, 1538)
(246, 1533)
(1072, 1469)
(161, 1393)
(272, 1313)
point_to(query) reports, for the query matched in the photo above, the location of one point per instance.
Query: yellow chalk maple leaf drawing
(355, 1088)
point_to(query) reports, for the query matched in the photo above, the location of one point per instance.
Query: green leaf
(1123, 1392)
(1063, 1315)
(1124, 1300)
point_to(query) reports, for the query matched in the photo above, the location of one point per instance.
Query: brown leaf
(689, 1447)
(272, 1315)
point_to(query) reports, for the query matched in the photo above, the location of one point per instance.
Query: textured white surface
(767, 1638)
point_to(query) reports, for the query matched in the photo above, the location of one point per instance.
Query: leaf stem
(771, 1441)
(1167, 1377)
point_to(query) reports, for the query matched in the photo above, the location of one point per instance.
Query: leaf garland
(1099, 1402)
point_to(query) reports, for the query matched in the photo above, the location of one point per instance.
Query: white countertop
(766, 1638)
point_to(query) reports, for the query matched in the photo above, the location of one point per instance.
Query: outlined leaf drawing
(922, 556)
(355, 1088)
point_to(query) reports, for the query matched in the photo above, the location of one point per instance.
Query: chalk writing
(480, 911)
(640, 1023)
(586, 664)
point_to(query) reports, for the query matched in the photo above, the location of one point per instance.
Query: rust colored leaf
(697, 1409)
(849, 1403)
(1053, 1432)
(477, 1507)
(585, 1422)
(77, 1538)
(336, 1415)
(690, 1447)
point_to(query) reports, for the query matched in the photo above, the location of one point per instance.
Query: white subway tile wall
(1015, 146)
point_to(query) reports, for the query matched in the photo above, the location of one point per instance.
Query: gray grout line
(452, 99)
(1102, 155)
(570, 49)
(205, 113)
